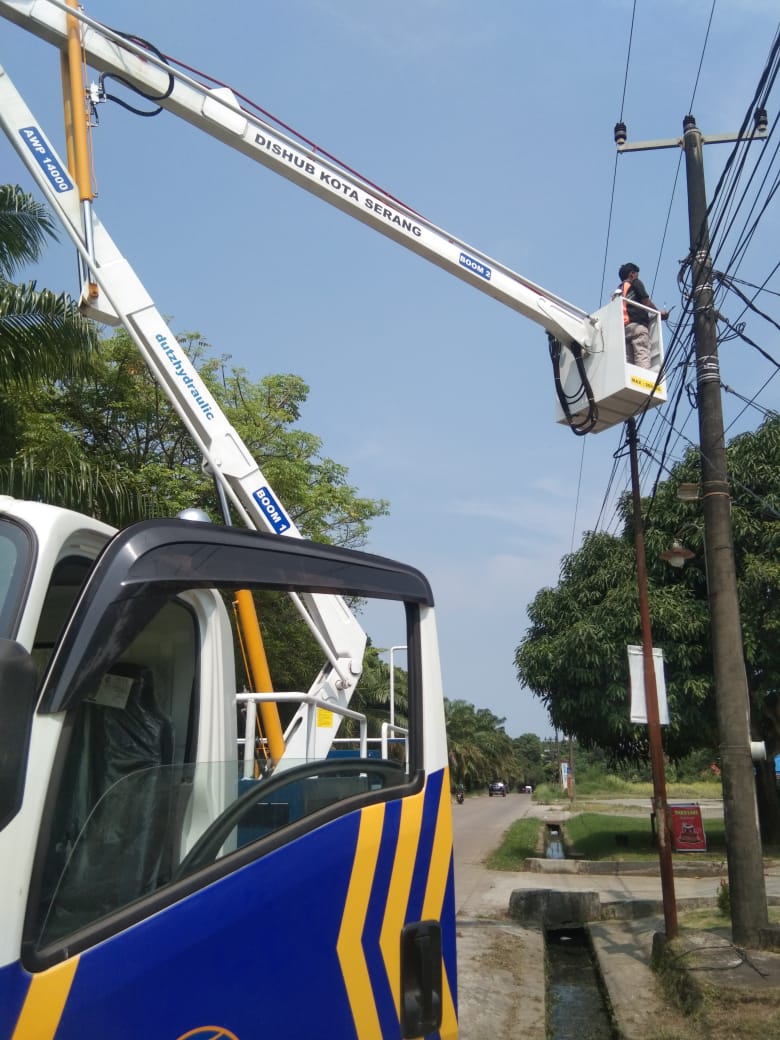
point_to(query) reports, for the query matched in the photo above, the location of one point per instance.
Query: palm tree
(479, 749)
(43, 338)
(372, 696)
(42, 334)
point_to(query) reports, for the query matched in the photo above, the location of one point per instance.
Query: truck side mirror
(18, 686)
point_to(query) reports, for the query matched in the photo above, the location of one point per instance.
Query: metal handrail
(387, 729)
(253, 699)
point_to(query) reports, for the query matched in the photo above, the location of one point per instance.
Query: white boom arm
(330, 620)
(121, 298)
(217, 112)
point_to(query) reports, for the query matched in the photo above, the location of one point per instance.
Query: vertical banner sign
(636, 671)
(686, 828)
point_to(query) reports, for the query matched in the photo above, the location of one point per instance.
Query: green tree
(573, 656)
(529, 761)
(42, 335)
(40, 332)
(372, 696)
(115, 424)
(107, 442)
(479, 750)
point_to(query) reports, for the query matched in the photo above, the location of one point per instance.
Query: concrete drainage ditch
(577, 1008)
(553, 842)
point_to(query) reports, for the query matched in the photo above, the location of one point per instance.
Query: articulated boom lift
(595, 391)
(155, 883)
(595, 386)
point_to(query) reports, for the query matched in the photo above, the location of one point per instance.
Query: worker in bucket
(636, 319)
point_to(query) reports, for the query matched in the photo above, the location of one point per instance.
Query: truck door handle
(421, 981)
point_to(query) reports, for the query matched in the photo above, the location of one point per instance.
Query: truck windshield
(15, 556)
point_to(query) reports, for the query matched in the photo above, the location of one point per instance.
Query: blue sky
(495, 121)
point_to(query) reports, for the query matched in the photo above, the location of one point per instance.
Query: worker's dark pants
(638, 344)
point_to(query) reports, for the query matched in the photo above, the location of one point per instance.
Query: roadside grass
(521, 842)
(711, 919)
(624, 833)
(613, 787)
(714, 1011)
(605, 836)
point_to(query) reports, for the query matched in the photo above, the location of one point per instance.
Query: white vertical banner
(636, 670)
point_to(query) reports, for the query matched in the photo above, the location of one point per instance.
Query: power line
(751, 402)
(628, 60)
(725, 201)
(679, 158)
(732, 198)
(614, 169)
(701, 57)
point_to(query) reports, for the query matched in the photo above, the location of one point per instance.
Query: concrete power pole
(743, 841)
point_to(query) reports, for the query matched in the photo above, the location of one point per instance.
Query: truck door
(185, 885)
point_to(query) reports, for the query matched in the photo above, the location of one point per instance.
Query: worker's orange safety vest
(625, 290)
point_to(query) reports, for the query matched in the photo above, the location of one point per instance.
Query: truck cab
(161, 873)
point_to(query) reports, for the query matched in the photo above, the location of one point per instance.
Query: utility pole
(746, 872)
(747, 889)
(651, 702)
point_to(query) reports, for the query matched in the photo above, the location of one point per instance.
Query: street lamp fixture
(677, 555)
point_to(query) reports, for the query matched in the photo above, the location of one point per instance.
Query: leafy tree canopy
(108, 442)
(40, 332)
(479, 749)
(574, 658)
(531, 762)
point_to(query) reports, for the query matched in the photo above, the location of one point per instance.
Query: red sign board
(687, 829)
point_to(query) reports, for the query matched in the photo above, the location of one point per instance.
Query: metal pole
(651, 701)
(743, 840)
(392, 683)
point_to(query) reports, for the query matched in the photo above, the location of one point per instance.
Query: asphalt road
(478, 826)
(499, 998)
(501, 975)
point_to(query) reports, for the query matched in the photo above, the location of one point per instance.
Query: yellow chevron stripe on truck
(441, 857)
(350, 946)
(45, 1002)
(398, 893)
(350, 941)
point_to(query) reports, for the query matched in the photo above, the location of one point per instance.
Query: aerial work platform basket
(619, 389)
